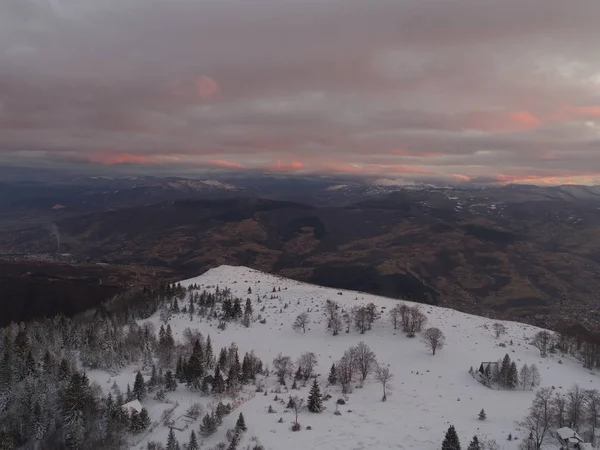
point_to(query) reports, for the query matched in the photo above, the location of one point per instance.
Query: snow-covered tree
(474, 444)
(482, 415)
(315, 399)
(332, 378)
(240, 425)
(172, 442)
(451, 441)
(139, 387)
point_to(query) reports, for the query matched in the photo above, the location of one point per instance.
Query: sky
(465, 91)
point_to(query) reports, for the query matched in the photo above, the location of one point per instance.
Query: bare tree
(301, 322)
(539, 420)
(345, 371)
(372, 314)
(395, 316)
(307, 363)
(525, 376)
(296, 403)
(334, 319)
(499, 329)
(434, 339)
(415, 321)
(559, 410)
(575, 403)
(283, 367)
(542, 341)
(536, 378)
(364, 360)
(361, 322)
(592, 409)
(405, 316)
(384, 376)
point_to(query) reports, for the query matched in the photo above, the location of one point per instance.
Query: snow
(428, 392)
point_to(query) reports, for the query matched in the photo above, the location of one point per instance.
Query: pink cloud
(206, 87)
(111, 159)
(493, 122)
(224, 164)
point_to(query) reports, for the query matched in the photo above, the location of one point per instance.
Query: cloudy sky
(463, 90)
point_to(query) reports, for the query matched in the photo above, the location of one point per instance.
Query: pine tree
(218, 384)
(172, 442)
(170, 382)
(208, 354)
(505, 371)
(332, 378)
(474, 445)
(193, 444)
(135, 424)
(240, 425)
(195, 367)
(208, 425)
(482, 415)
(315, 400)
(139, 387)
(128, 395)
(144, 419)
(451, 441)
(513, 376)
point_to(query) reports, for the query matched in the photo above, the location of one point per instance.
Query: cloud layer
(490, 91)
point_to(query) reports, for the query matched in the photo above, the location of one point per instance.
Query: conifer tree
(451, 441)
(332, 378)
(208, 425)
(218, 384)
(170, 382)
(172, 442)
(505, 371)
(193, 444)
(240, 425)
(482, 415)
(139, 387)
(315, 400)
(208, 354)
(513, 376)
(144, 419)
(474, 444)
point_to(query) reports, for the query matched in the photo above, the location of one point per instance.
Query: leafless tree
(364, 360)
(361, 320)
(372, 314)
(384, 376)
(559, 410)
(395, 316)
(525, 377)
(416, 321)
(345, 371)
(575, 403)
(499, 329)
(536, 378)
(301, 322)
(434, 339)
(592, 409)
(334, 319)
(542, 341)
(347, 317)
(307, 363)
(539, 420)
(283, 367)
(405, 316)
(297, 404)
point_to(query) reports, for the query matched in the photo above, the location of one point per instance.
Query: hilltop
(429, 392)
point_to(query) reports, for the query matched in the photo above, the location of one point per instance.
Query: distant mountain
(520, 252)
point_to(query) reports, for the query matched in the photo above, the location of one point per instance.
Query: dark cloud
(488, 90)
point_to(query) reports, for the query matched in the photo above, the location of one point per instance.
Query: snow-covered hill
(429, 392)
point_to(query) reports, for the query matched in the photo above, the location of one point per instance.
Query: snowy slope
(429, 392)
